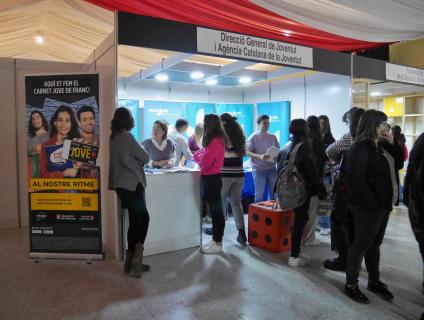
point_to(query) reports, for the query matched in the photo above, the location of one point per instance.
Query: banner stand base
(69, 256)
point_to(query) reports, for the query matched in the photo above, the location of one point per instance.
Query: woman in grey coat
(126, 176)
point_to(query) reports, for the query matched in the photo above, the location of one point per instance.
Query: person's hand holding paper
(273, 154)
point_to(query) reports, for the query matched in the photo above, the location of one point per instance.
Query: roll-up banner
(243, 113)
(168, 111)
(195, 112)
(279, 118)
(62, 116)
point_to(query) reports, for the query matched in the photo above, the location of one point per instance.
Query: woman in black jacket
(372, 162)
(413, 193)
(320, 158)
(305, 164)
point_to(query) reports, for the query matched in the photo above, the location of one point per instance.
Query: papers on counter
(171, 170)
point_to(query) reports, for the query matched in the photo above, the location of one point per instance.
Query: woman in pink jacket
(211, 159)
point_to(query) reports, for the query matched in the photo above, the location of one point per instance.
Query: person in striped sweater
(232, 172)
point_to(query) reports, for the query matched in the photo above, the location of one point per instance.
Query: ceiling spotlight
(161, 77)
(375, 93)
(39, 39)
(211, 82)
(197, 75)
(245, 80)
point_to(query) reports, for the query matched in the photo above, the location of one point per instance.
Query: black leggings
(213, 186)
(135, 202)
(342, 224)
(300, 220)
(370, 227)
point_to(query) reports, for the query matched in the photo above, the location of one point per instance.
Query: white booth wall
(323, 94)
(316, 94)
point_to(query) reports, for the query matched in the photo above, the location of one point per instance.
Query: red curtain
(240, 16)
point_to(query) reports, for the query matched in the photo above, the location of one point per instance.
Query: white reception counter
(173, 201)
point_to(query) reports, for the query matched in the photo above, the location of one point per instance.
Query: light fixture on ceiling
(244, 80)
(197, 75)
(211, 82)
(375, 94)
(161, 77)
(39, 39)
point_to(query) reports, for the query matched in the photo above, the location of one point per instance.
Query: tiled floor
(243, 283)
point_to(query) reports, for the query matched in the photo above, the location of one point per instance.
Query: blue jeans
(262, 179)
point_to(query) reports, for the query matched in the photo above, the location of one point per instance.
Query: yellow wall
(394, 106)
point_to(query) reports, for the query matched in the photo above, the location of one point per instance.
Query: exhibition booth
(187, 71)
(199, 71)
(180, 84)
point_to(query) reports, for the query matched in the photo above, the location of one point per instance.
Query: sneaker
(300, 261)
(313, 242)
(380, 289)
(241, 238)
(353, 292)
(209, 231)
(325, 231)
(212, 247)
(335, 264)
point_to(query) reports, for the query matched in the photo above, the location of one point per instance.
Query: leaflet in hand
(273, 153)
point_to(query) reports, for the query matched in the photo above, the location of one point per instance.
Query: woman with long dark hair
(325, 129)
(319, 156)
(211, 159)
(63, 125)
(372, 161)
(305, 165)
(126, 176)
(232, 171)
(342, 226)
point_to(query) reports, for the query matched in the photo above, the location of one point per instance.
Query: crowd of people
(365, 166)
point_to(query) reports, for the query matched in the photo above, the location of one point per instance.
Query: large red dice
(268, 228)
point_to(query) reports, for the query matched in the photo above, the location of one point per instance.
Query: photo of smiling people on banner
(62, 115)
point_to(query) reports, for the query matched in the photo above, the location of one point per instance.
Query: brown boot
(138, 265)
(129, 256)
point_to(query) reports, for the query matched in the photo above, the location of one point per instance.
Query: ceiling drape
(240, 16)
(368, 20)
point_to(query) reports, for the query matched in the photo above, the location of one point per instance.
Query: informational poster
(194, 113)
(243, 112)
(169, 111)
(133, 106)
(279, 118)
(62, 117)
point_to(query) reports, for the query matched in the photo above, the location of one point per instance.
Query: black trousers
(342, 224)
(213, 186)
(370, 227)
(135, 202)
(300, 220)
